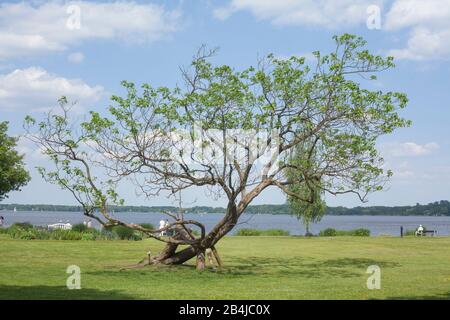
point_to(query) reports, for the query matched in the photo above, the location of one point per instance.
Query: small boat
(15, 209)
(60, 225)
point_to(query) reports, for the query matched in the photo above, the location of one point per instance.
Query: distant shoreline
(438, 208)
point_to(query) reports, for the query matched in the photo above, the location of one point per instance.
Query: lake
(376, 224)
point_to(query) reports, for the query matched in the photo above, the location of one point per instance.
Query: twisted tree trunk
(169, 255)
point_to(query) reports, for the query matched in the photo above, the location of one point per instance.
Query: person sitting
(420, 230)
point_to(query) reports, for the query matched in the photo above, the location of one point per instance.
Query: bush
(106, 235)
(248, 232)
(125, 233)
(329, 232)
(17, 231)
(88, 236)
(23, 225)
(80, 227)
(147, 225)
(256, 232)
(60, 234)
(361, 232)
(274, 232)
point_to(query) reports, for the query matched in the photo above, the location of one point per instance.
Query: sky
(84, 49)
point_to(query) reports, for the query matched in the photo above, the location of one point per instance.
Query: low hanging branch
(233, 132)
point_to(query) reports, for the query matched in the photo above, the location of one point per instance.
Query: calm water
(376, 224)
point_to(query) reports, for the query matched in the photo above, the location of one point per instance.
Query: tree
(312, 209)
(12, 172)
(305, 211)
(230, 132)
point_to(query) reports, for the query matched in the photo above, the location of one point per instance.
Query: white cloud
(324, 13)
(408, 149)
(428, 23)
(34, 89)
(76, 57)
(411, 13)
(27, 29)
(33, 154)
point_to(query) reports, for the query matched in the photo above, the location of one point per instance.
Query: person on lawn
(162, 224)
(420, 230)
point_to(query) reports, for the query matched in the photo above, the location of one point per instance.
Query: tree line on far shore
(437, 208)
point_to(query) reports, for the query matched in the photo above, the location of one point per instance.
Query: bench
(424, 233)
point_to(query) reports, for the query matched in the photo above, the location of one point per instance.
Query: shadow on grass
(261, 266)
(356, 263)
(439, 296)
(57, 293)
(344, 267)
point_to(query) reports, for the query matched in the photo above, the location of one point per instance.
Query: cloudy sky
(46, 52)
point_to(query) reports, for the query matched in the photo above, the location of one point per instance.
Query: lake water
(376, 224)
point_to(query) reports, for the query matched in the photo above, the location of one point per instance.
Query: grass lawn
(255, 268)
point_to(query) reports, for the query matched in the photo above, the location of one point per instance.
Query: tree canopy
(12, 172)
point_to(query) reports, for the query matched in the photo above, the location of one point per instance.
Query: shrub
(329, 232)
(60, 234)
(275, 232)
(107, 235)
(17, 232)
(125, 233)
(248, 232)
(147, 225)
(23, 225)
(361, 232)
(88, 236)
(80, 227)
(256, 232)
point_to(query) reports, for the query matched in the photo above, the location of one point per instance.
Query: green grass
(255, 268)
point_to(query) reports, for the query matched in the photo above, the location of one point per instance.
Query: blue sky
(44, 53)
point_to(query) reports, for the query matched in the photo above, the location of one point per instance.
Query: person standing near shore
(2, 221)
(162, 225)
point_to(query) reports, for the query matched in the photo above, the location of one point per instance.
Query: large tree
(13, 175)
(231, 132)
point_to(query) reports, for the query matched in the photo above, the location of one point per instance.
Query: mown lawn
(255, 268)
